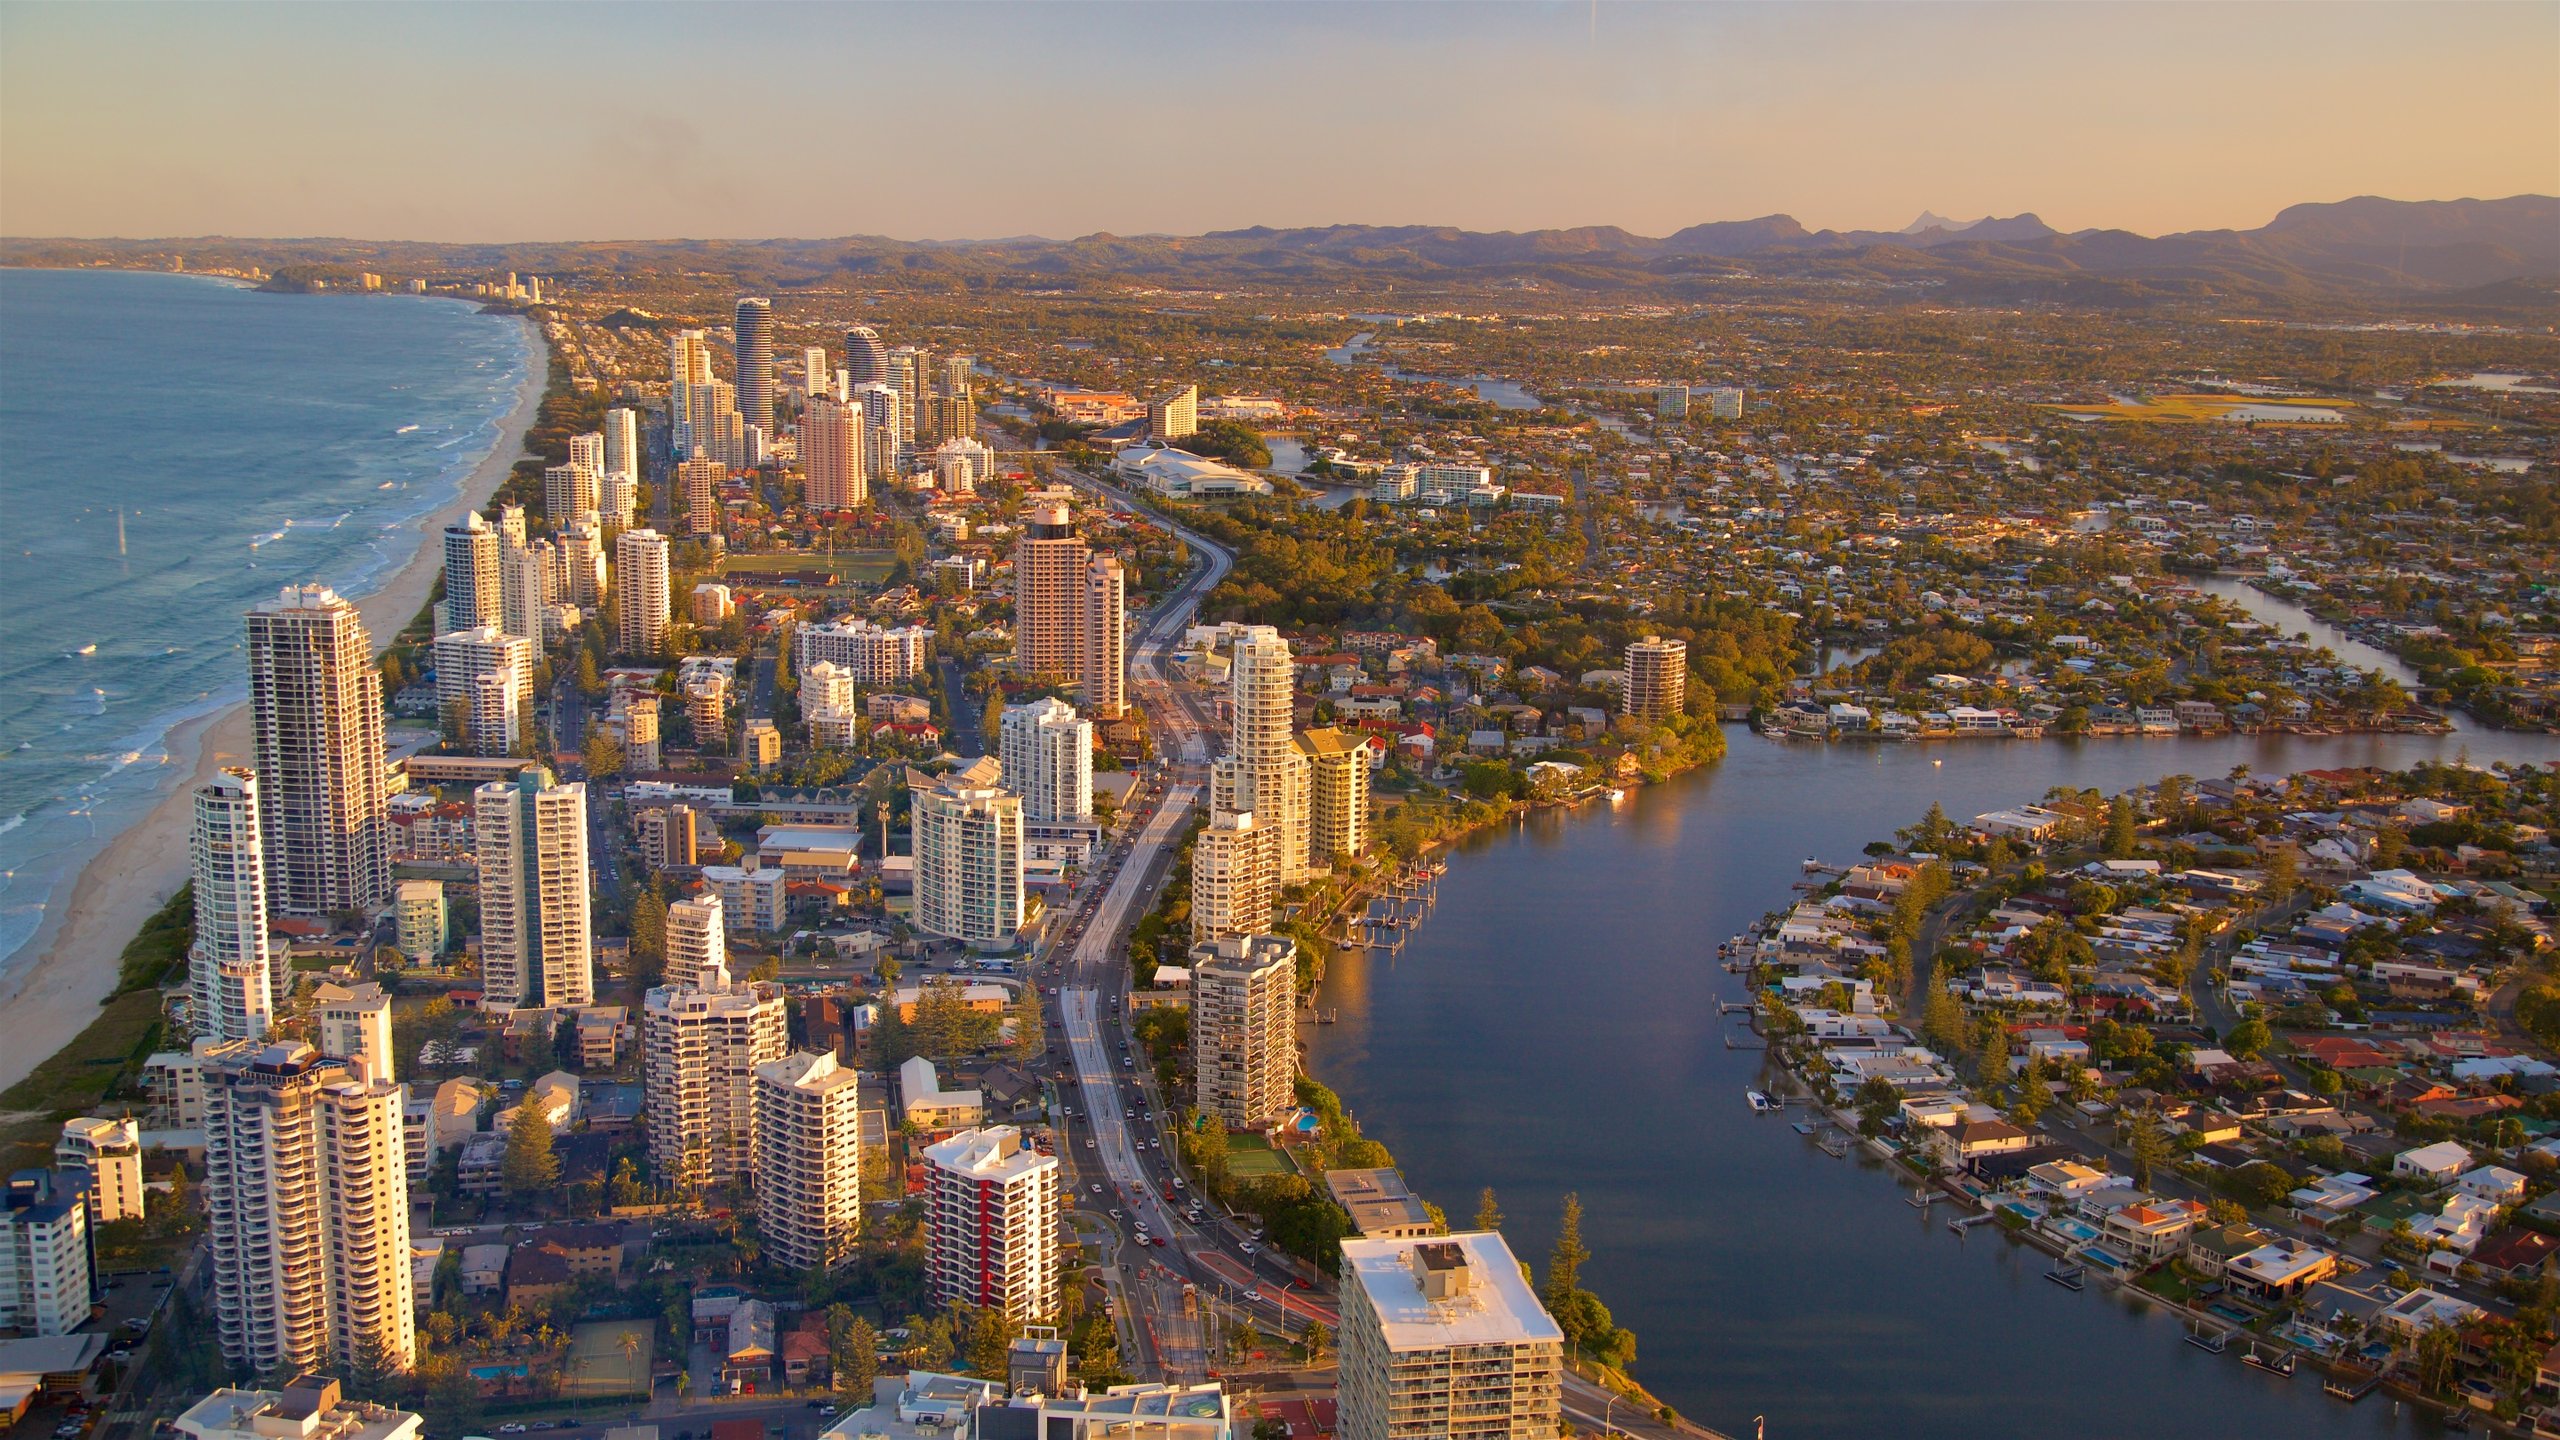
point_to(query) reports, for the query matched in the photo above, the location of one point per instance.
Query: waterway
(1552, 1027)
(1500, 393)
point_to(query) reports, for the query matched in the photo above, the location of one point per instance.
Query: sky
(494, 122)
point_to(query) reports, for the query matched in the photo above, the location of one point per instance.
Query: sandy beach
(71, 965)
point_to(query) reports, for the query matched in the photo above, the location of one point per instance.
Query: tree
(1942, 1023)
(1488, 1212)
(603, 757)
(2283, 874)
(2149, 1145)
(2122, 833)
(529, 1167)
(853, 1352)
(1564, 1262)
(2249, 1039)
(2032, 1094)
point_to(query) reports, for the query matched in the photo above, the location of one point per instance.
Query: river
(1552, 1027)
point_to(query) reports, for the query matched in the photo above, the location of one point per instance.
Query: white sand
(53, 994)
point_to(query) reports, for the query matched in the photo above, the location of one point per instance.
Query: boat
(88, 649)
(2281, 1363)
(1761, 1104)
(2211, 1341)
(2069, 1277)
(405, 429)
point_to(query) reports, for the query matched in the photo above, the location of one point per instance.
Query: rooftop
(1494, 1307)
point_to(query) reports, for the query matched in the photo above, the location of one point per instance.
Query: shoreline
(71, 962)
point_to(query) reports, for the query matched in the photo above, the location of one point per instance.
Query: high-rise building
(306, 1198)
(111, 1151)
(322, 792)
(1047, 751)
(1102, 651)
(571, 493)
(232, 976)
(47, 1277)
(421, 920)
(817, 377)
(1235, 876)
(831, 455)
(688, 369)
(755, 362)
(1174, 414)
(621, 500)
(908, 366)
(355, 1025)
(641, 604)
(667, 837)
(1244, 1034)
(1051, 572)
(697, 946)
(808, 1160)
(472, 589)
(587, 450)
(1671, 402)
(1263, 770)
(882, 410)
(718, 430)
(700, 1046)
(869, 654)
(1337, 793)
(991, 1224)
(866, 360)
(535, 946)
(968, 851)
(1725, 402)
(640, 736)
(1442, 1337)
(525, 582)
(622, 441)
(1657, 679)
(698, 492)
(463, 659)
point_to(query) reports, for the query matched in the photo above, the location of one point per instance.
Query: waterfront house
(2280, 1269)
(2151, 1230)
(2422, 1310)
(2066, 1182)
(1978, 1135)
(2211, 1250)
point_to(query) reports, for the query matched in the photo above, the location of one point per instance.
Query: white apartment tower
(306, 1198)
(697, 946)
(817, 378)
(1048, 760)
(1102, 656)
(1244, 1037)
(231, 975)
(111, 1151)
(699, 1049)
(571, 493)
(640, 600)
(1657, 679)
(968, 850)
(1442, 1339)
(535, 946)
(464, 658)
(992, 1224)
(882, 418)
(1235, 876)
(831, 455)
(355, 1025)
(473, 593)
(322, 792)
(869, 654)
(1174, 414)
(622, 442)
(688, 370)
(1263, 770)
(47, 1281)
(808, 1160)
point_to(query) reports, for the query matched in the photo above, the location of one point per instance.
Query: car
(1249, 1248)
(1159, 1242)
(513, 1427)
(1088, 1142)
(1115, 1214)
(546, 1424)
(817, 1404)
(1097, 1189)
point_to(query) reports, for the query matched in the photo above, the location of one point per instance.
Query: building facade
(968, 853)
(640, 598)
(1047, 751)
(700, 1046)
(536, 945)
(232, 970)
(1442, 1339)
(323, 795)
(472, 593)
(808, 1160)
(1235, 876)
(992, 1224)
(1337, 794)
(1657, 679)
(1244, 1035)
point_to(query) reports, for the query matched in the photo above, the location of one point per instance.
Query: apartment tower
(1263, 770)
(991, 1224)
(831, 455)
(316, 702)
(968, 850)
(111, 1151)
(1657, 679)
(1102, 654)
(1244, 1037)
(1337, 793)
(464, 659)
(1235, 876)
(808, 1160)
(473, 591)
(697, 946)
(535, 946)
(1048, 760)
(232, 973)
(640, 600)
(699, 1049)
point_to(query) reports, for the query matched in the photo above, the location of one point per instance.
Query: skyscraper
(1174, 414)
(866, 360)
(47, 1280)
(688, 369)
(968, 849)
(992, 1224)
(1102, 649)
(462, 658)
(755, 362)
(1051, 565)
(1442, 1337)
(808, 1160)
(831, 455)
(1263, 770)
(697, 946)
(1048, 760)
(700, 1046)
(817, 378)
(1244, 1036)
(1657, 679)
(907, 368)
(587, 450)
(582, 565)
(472, 590)
(640, 592)
(570, 493)
(322, 797)
(355, 1025)
(1337, 793)
(535, 946)
(1235, 876)
(306, 1199)
(698, 493)
(111, 1151)
(231, 976)
(622, 441)
(881, 408)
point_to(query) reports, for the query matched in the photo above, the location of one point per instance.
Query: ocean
(174, 448)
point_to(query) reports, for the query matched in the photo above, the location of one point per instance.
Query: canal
(1552, 1027)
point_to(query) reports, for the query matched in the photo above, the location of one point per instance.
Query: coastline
(71, 964)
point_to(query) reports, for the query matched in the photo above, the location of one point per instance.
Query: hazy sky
(577, 121)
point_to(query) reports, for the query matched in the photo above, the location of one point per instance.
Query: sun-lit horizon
(505, 125)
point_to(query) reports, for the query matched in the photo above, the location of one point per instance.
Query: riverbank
(70, 965)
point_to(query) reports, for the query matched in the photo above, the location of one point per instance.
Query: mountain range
(2501, 255)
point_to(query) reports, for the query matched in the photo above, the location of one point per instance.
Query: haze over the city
(557, 123)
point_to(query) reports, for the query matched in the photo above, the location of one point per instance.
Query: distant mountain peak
(1931, 220)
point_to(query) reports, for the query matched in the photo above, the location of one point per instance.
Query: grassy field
(598, 1368)
(1250, 1157)
(850, 567)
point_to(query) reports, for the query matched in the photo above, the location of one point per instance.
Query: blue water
(250, 441)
